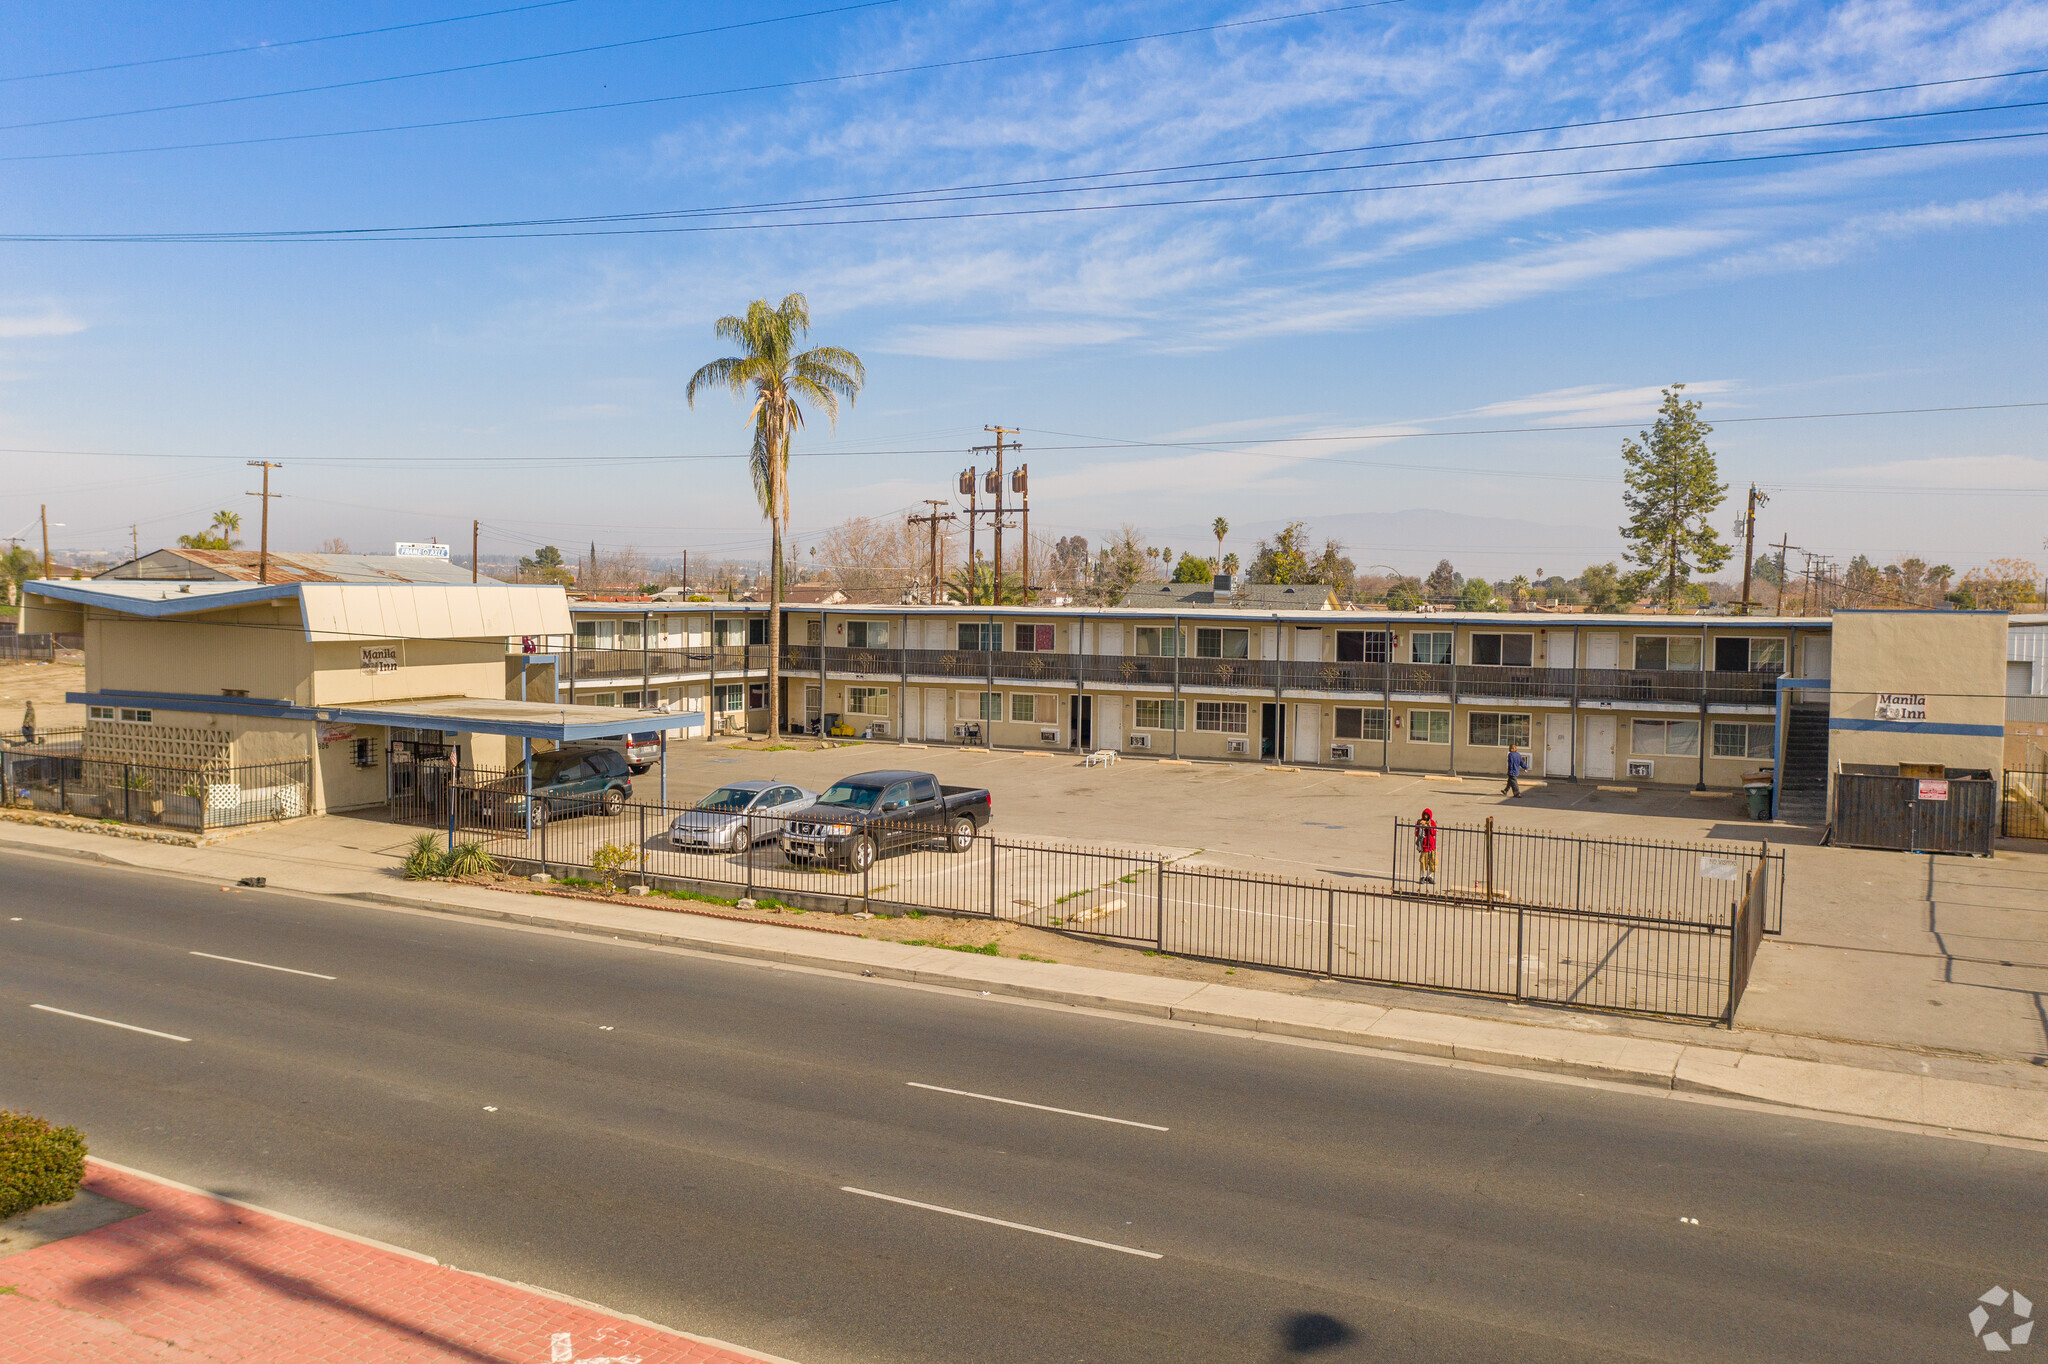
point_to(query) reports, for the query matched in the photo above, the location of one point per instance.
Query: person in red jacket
(1425, 847)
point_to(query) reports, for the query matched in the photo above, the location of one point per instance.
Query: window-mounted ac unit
(1239, 745)
(1141, 741)
(880, 728)
(1642, 767)
(1340, 753)
(1048, 736)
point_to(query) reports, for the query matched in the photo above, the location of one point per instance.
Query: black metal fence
(2023, 806)
(1637, 879)
(18, 648)
(1630, 942)
(38, 778)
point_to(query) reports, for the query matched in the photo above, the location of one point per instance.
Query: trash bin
(1759, 801)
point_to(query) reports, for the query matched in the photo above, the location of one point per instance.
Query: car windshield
(728, 798)
(547, 767)
(652, 736)
(850, 797)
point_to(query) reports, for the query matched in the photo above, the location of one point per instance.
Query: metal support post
(1159, 903)
(1279, 706)
(1519, 916)
(643, 843)
(902, 682)
(711, 687)
(1578, 663)
(1330, 932)
(1387, 707)
(526, 752)
(988, 726)
(1701, 785)
(991, 876)
(127, 793)
(1179, 720)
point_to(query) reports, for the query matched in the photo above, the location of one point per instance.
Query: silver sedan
(738, 815)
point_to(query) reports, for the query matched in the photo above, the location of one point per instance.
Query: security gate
(1956, 814)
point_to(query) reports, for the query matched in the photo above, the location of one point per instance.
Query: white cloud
(1592, 403)
(1951, 471)
(1855, 235)
(50, 320)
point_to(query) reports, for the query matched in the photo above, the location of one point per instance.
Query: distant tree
(1442, 582)
(1335, 568)
(1120, 565)
(220, 533)
(1219, 528)
(18, 566)
(1518, 590)
(1673, 492)
(975, 586)
(1477, 595)
(1404, 594)
(1765, 569)
(1601, 586)
(1071, 564)
(2002, 585)
(334, 545)
(1284, 558)
(1915, 582)
(1193, 570)
(545, 565)
(1231, 564)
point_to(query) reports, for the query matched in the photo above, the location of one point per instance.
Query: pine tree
(1673, 492)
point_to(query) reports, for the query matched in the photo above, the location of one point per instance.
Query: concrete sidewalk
(357, 859)
(174, 1271)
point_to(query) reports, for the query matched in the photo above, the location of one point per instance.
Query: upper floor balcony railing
(614, 665)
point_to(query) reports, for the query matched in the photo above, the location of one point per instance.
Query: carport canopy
(559, 724)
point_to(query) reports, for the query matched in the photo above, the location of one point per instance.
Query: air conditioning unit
(1048, 736)
(1642, 767)
(1238, 745)
(1141, 741)
(879, 728)
(1340, 753)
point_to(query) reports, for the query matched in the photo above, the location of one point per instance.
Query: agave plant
(468, 859)
(425, 860)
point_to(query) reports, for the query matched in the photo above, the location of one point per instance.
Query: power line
(331, 236)
(283, 43)
(667, 99)
(441, 70)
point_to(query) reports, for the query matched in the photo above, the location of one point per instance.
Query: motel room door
(1557, 746)
(1308, 736)
(935, 714)
(1599, 746)
(1109, 722)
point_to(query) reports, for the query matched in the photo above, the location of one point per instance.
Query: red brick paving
(197, 1278)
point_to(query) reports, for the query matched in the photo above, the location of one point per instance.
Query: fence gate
(2023, 813)
(1911, 814)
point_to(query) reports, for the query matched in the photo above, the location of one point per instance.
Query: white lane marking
(1043, 1108)
(288, 970)
(52, 1009)
(999, 1222)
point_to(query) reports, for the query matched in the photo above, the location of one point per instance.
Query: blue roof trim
(1918, 727)
(629, 722)
(172, 604)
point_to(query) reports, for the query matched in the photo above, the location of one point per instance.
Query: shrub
(469, 859)
(609, 861)
(39, 1162)
(426, 860)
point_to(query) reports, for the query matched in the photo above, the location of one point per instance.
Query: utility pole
(46, 540)
(1784, 545)
(996, 486)
(263, 551)
(134, 549)
(969, 486)
(1756, 499)
(473, 528)
(933, 520)
(1020, 484)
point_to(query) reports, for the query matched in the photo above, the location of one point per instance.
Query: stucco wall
(260, 649)
(426, 668)
(1955, 659)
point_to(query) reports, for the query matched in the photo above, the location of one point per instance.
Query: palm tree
(1220, 529)
(779, 375)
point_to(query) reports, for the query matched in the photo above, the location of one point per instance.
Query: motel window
(1033, 639)
(1503, 651)
(1667, 653)
(730, 696)
(630, 700)
(728, 634)
(1221, 717)
(757, 696)
(1220, 643)
(1156, 641)
(867, 634)
(981, 638)
(1429, 646)
(1743, 654)
(605, 698)
(1028, 709)
(867, 700)
(1354, 722)
(1680, 738)
(1363, 646)
(981, 705)
(99, 712)
(1155, 713)
(1736, 740)
(629, 634)
(586, 634)
(1429, 726)
(1499, 731)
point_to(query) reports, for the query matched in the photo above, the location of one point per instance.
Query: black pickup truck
(865, 815)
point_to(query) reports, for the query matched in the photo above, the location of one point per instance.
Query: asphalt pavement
(836, 1169)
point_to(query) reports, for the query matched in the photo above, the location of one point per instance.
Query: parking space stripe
(1043, 1108)
(999, 1222)
(288, 970)
(52, 1009)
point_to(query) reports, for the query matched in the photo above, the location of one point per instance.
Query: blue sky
(536, 382)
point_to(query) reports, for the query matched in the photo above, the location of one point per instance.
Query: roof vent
(1225, 582)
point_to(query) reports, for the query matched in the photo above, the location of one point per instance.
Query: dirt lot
(45, 684)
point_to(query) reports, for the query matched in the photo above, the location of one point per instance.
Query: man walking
(1425, 847)
(28, 724)
(1517, 765)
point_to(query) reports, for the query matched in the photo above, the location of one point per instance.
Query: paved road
(676, 1137)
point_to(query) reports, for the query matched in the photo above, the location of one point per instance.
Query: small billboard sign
(1934, 790)
(1897, 705)
(414, 549)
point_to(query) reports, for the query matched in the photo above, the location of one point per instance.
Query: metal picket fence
(1687, 956)
(1637, 878)
(2023, 807)
(196, 799)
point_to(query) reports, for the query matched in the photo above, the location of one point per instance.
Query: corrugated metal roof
(244, 565)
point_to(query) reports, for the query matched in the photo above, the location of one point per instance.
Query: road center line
(52, 1009)
(1043, 1108)
(999, 1222)
(288, 970)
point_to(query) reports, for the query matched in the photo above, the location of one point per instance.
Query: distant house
(1226, 592)
(244, 566)
(813, 594)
